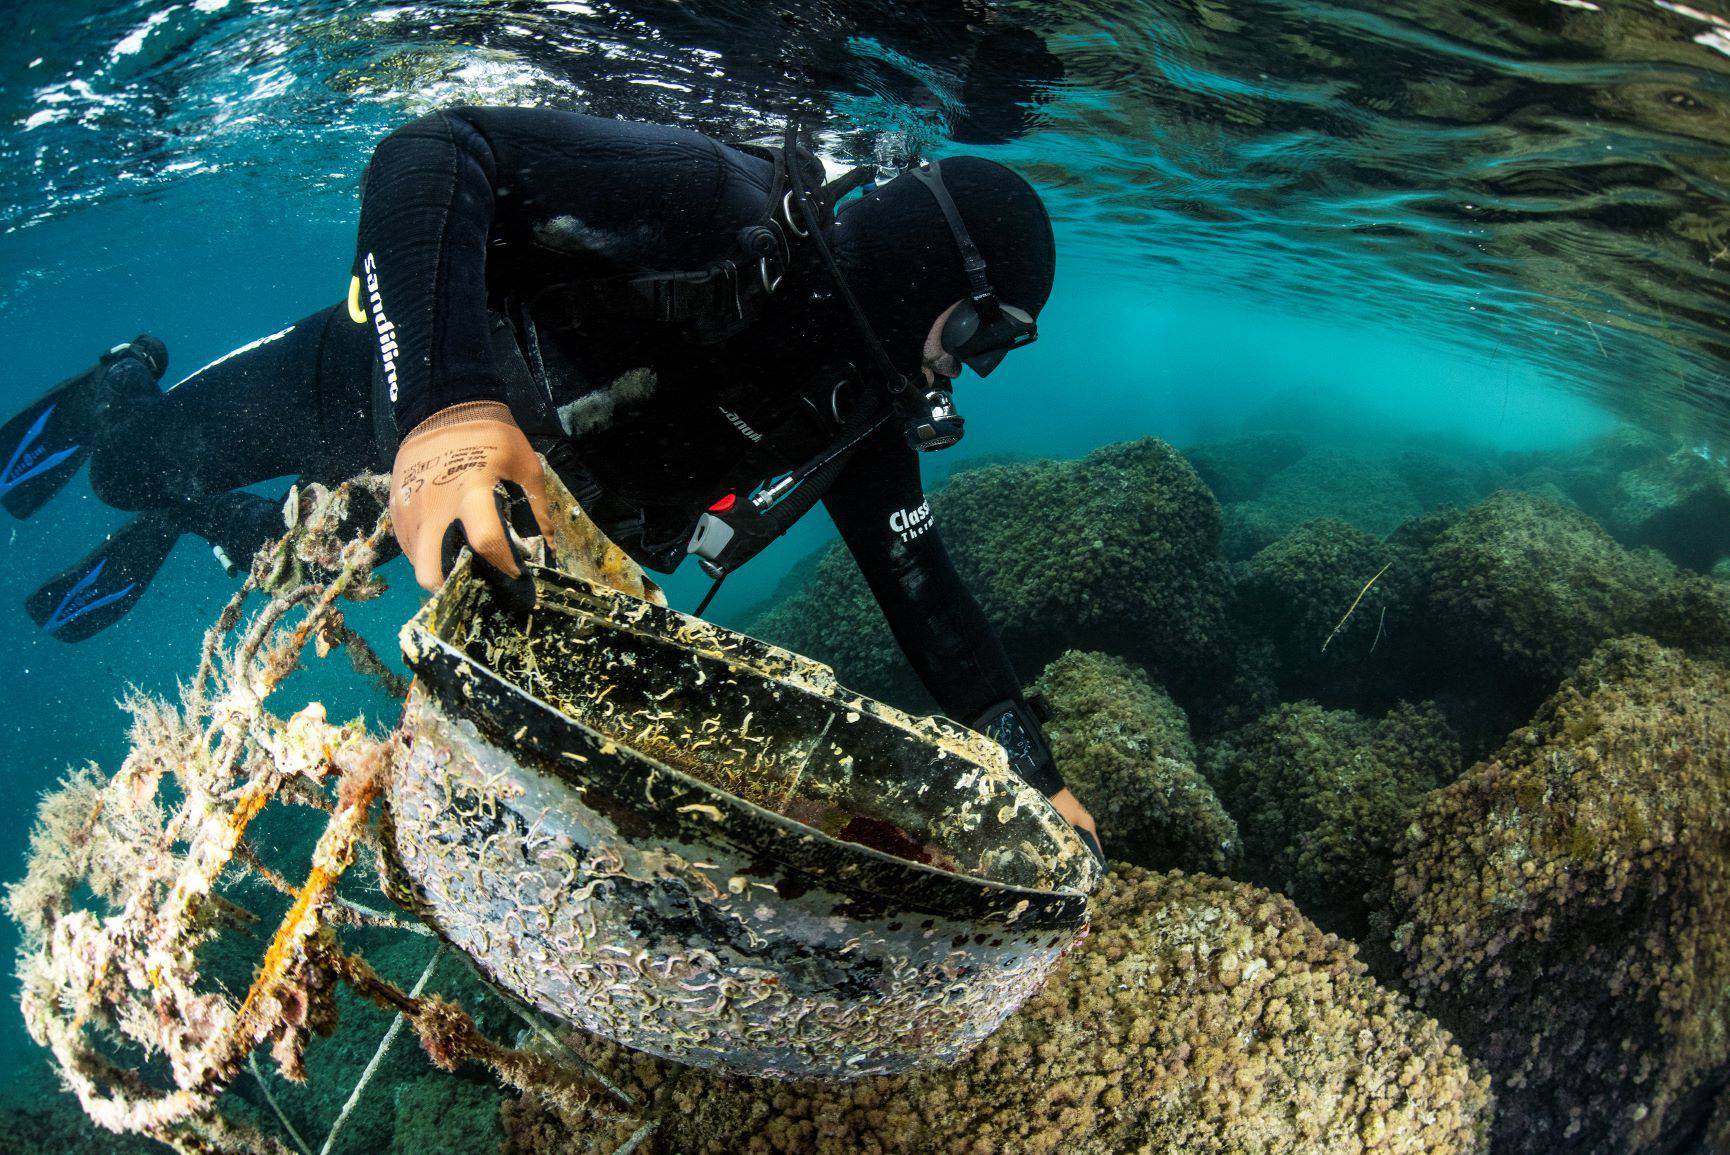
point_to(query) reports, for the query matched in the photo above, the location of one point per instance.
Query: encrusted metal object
(704, 847)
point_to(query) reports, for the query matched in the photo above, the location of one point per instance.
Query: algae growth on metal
(629, 818)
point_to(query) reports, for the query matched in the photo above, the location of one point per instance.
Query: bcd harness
(719, 300)
(710, 305)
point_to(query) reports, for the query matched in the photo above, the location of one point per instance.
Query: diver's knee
(119, 481)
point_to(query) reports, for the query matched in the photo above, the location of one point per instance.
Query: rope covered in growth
(384, 1046)
(159, 844)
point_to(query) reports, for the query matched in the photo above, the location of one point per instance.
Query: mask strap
(984, 296)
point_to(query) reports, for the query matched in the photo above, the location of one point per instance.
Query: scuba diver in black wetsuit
(691, 334)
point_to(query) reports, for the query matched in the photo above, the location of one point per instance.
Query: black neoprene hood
(902, 263)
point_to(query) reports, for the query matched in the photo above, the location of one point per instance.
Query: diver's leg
(43, 446)
(296, 402)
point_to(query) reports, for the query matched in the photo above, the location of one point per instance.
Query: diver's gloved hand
(442, 489)
(1014, 724)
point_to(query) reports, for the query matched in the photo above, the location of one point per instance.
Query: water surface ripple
(1548, 179)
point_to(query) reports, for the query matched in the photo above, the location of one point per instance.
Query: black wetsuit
(492, 251)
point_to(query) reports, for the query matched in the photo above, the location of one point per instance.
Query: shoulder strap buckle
(694, 296)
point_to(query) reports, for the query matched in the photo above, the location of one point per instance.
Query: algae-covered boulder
(1244, 529)
(1678, 505)
(1623, 448)
(1588, 473)
(1236, 468)
(1435, 478)
(1321, 797)
(1565, 907)
(985, 460)
(824, 610)
(1691, 611)
(1335, 602)
(1201, 1016)
(1374, 491)
(1520, 589)
(1114, 552)
(1124, 749)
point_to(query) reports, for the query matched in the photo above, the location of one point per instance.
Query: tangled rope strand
(130, 969)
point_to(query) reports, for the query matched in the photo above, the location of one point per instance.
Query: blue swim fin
(99, 590)
(42, 447)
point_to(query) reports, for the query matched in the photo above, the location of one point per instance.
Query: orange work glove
(442, 486)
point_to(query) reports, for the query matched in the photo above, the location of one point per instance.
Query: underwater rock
(1334, 602)
(1435, 478)
(1245, 530)
(824, 610)
(1201, 1015)
(1511, 594)
(984, 460)
(1114, 552)
(1245, 692)
(1678, 505)
(1419, 534)
(1373, 491)
(1607, 455)
(1236, 468)
(1321, 797)
(444, 1114)
(1565, 907)
(1587, 473)
(1520, 589)
(1692, 612)
(1124, 748)
(1623, 448)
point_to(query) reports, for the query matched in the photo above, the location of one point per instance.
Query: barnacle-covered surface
(702, 846)
(1563, 906)
(578, 546)
(762, 724)
(1201, 1016)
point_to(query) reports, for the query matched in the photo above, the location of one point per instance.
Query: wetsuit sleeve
(470, 205)
(879, 507)
(427, 204)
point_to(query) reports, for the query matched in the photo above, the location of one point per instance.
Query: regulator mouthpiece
(934, 422)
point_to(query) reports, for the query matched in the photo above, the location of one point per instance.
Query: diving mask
(982, 329)
(980, 334)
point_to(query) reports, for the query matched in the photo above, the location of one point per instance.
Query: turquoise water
(1444, 221)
